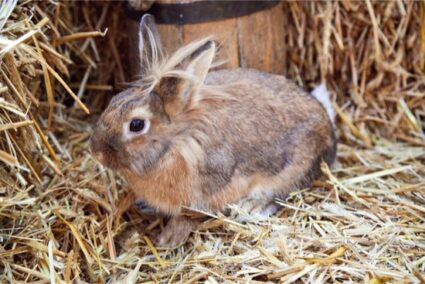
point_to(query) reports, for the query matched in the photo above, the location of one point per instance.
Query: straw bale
(63, 217)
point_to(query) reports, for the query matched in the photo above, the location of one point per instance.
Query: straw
(64, 218)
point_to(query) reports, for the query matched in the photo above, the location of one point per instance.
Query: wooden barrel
(250, 33)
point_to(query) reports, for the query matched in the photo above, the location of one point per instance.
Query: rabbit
(187, 137)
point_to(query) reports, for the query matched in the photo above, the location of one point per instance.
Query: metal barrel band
(200, 12)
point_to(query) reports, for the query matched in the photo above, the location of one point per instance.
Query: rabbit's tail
(323, 96)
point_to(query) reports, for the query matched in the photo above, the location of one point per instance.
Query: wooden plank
(255, 41)
(277, 22)
(133, 46)
(171, 36)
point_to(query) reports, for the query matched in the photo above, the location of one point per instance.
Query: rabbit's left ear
(199, 65)
(150, 46)
(182, 93)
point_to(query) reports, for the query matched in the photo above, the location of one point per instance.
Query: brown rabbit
(186, 137)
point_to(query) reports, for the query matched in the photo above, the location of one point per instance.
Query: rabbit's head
(138, 127)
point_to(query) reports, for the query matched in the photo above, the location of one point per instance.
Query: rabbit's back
(266, 123)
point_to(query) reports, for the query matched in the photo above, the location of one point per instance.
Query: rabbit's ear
(200, 62)
(197, 69)
(182, 93)
(150, 46)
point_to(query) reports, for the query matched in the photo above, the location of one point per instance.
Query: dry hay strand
(372, 55)
(59, 209)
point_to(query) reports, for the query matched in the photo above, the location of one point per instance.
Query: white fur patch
(141, 112)
(254, 210)
(262, 214)
(323, 96)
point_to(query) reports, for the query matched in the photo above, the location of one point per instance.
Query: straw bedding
(364, 222)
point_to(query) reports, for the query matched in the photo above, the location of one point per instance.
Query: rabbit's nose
(93, 143)
(113, 143)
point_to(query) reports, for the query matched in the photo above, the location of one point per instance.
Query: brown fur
(236, 134)
(172, 173)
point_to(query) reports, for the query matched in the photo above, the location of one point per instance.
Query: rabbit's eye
(137, 125)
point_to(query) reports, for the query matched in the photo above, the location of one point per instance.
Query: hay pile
(364, 223)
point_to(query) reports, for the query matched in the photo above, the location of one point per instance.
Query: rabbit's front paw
(175, 232)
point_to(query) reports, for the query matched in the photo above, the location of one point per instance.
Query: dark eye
(137, 125)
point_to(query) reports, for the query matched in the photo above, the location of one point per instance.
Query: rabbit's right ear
(150, 46)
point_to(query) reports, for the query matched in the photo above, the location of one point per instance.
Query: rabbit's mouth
(100, 157)
(107, 158)
(106, 152)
